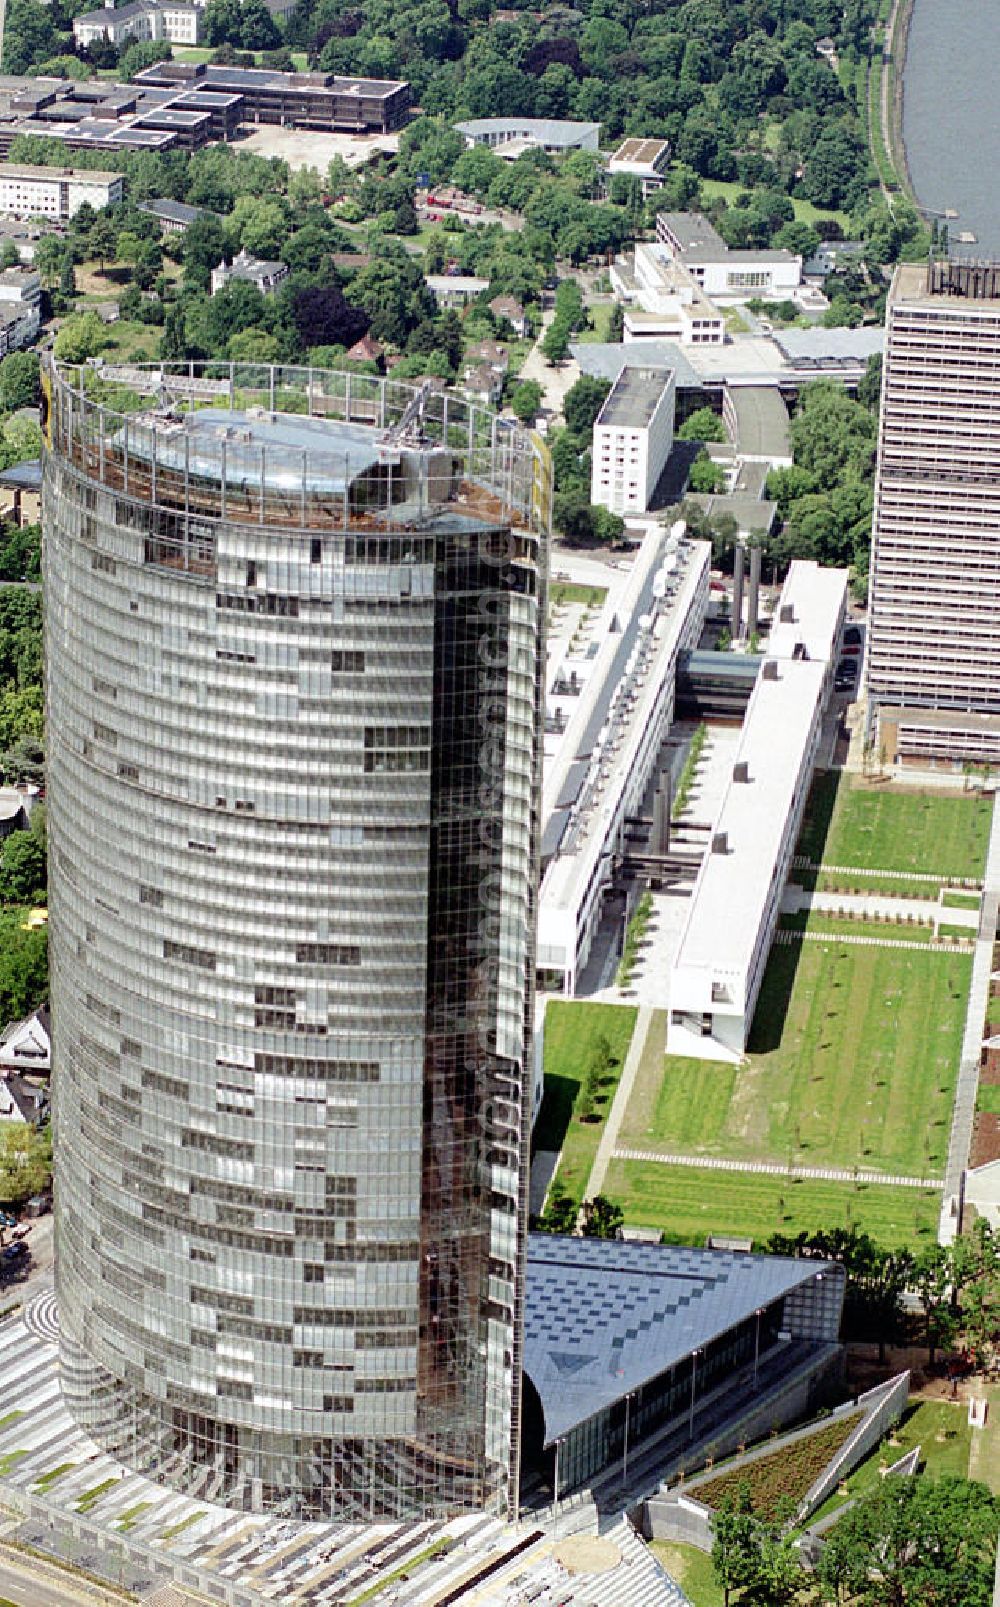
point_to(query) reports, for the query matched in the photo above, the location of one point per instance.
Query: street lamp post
(756, 1348)
(694, 1375)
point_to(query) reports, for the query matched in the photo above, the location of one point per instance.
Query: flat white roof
(814, 596)
(595, 813)
(733, 888)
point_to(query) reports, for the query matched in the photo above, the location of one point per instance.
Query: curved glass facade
(294, 629)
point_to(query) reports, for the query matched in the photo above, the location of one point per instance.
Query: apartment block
(933, 658)
(55, 192)
(633, 434)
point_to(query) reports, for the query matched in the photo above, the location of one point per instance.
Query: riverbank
(885, 100)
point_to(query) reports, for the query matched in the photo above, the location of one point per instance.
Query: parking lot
(307, 147)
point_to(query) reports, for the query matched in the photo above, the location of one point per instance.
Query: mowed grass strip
(852, 822)
(571, 1029)
(686, 1203)
(854, 1055)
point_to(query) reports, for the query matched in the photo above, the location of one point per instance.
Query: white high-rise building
(933, 656)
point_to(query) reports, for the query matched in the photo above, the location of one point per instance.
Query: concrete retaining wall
(884, 1406)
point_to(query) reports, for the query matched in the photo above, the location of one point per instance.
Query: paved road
(27, 1583)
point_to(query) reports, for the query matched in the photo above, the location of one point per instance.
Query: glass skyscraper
(294, 666)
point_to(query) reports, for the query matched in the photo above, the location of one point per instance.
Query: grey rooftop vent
(720, 843)
(770, 670)
(741, 771)
(787, 614)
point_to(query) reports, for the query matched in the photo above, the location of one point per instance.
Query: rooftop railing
(431, 454)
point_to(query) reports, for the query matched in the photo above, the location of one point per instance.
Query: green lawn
(886, 828)
(570, 1030)
(199, 53)
(940, 1428)
(687, 1203)
(565, 591)
(841, 926)
(691, 1569)
(805, 212)
(961, 901)
(988, 1098)
(600, 319)
(853, 1057)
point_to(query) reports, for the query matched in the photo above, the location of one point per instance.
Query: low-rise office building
(143, 19)
(94, 114)
(624, 1341)
(620, 712)
(55, 192)
(662, 301)
(511, 136)
(644, 159)
(721, 271)
(175, 217)
(633, 434)
(294, 100)
(719, 964)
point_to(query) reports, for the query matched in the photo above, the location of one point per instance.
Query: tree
(932, 1278)
(832, 436)
(22, 867)
(323, 316)
(143, 53)
(80, 337)
(917, 1542)
(25, 1161)
(49, 256)
(704, 424)
(103, 240)
(526, 400)
(735, 1544)
(582, 403)
(560, 1211)
(23, 761)
(602, 1219)
(19, 385)
(24, 972)
(205, 245)
(706, 476)
(555, 345)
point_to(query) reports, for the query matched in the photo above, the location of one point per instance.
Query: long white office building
(719, 964)
(933, 662)
(605, 761)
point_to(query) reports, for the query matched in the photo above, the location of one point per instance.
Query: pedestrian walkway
(803, 862)
(823, 1174)
(877, 907)
(786, 937)
(644, 1028)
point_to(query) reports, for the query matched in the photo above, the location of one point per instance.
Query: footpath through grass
(686, 1203)
(853, 822)
(854, 1055)
(571, 1029)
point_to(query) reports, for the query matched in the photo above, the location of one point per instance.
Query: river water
(951, 115)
